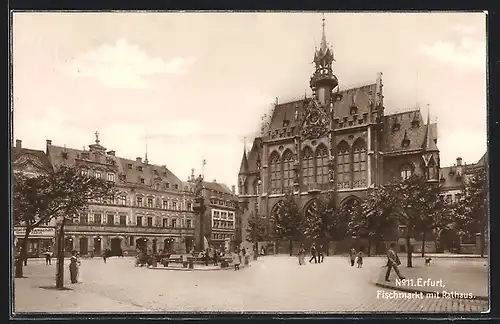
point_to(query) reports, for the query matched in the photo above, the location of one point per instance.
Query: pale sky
(196, 84)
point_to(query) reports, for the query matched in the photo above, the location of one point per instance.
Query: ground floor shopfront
(126, 243)
(40, 240)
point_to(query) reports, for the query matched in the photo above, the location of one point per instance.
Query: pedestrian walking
(236, 260)
(302, 255)
(393, 262)
(48, 258)
(105, 256)
(216, 257)
(359, 260)
(313, 253)
(321, 255)
(73, 267)
(352, 256)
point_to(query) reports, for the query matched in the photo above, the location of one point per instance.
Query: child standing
(360, 259)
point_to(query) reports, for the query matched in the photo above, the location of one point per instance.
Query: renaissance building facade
(336, 141)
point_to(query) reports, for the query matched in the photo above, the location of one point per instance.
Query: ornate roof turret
(323, 59)
(429, 145)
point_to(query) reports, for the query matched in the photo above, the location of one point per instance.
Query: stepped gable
(395, 134)
(360, 97)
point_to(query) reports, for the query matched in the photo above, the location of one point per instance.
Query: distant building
(221, 225)
(337, 141)
(152, 211)
(33, 163)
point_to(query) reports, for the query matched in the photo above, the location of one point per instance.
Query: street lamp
(60, 253)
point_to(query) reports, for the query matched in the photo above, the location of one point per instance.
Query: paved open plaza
(270, 284)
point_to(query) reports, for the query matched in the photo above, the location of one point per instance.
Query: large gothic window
(287, 169)
(431, 170)
(359, 163)
(322, 164)
(275, 172)
(343, 166)
(307, 166)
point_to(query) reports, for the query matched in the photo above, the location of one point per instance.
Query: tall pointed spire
(244, 160)
(429, 144)
(323, 36)
(146, 155)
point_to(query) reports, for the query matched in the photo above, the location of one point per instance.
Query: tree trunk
(23, 254)
(291, 247)
(369, 246)
(327, 244)
(408, 248)
(423, 244)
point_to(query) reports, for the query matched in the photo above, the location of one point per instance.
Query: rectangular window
(139, 201)
(165, 222)
(458, 197)
(174, 205)
(189, 207)
(111, 177)
(123, 220)
(98, 175)
(84, 173)
(84, 218)
(122, 200)
(142, 180)
(150, 221)
(131, 241)
(150, 202)
(97, 219)
(448, 198)
(176, 186)
(188, 223)
(174, 222)
(165, 204)
(139, 168)
(111, 219)
(167, 185)
(139, 221)
(130, 166)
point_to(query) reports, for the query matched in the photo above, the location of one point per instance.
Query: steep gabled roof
(36, 155)
(416, 135)
(244, 163)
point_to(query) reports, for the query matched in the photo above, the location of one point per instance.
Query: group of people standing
(356, 257)
(317, 254)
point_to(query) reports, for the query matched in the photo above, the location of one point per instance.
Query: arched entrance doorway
(168, 245)
(142, 244)
(116, 246)
(84, 246)
(97, 246)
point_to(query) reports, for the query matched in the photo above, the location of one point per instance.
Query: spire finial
(97, 137)
(146, 155)
(245, 144)
(323, 36)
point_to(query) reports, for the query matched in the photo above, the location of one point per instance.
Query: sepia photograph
(249, 162)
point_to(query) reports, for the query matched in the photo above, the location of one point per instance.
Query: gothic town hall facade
(338, 141)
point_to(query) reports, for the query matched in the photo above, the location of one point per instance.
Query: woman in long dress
(73, 267)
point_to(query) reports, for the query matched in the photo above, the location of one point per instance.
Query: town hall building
(336, 141)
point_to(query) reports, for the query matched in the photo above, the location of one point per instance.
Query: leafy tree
(287, 221)
(417, 202)
(62, 192)
(471, 209)
(255, 231)
(371, 219)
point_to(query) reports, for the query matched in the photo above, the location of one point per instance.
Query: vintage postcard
(271, 162)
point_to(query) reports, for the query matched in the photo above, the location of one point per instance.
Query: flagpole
(203, 168)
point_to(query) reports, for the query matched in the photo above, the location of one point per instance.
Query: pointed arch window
(275, 172)
(287, 169)
(343, 166)
(307, 166)
(431, 170)
(359, 164)
(322, 164)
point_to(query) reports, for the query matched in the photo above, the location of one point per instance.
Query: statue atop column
(198, 185)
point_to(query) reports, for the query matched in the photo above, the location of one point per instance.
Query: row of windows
(222, 224)
(450, 198)
(351, 167)
(221, 202)
(149, 202)
(223, 215)
(110, 176)
(110, 220)
(222, 236)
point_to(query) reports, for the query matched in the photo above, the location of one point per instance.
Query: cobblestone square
(270, 284)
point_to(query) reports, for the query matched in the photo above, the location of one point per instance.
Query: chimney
(138, 159)
(459, 161)
(215, 181)
(19, 144)
(459, 166)
(233, 189)
(111, 153)
(49, 142)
